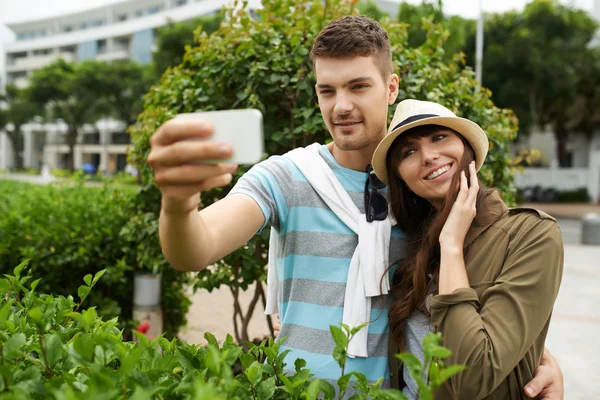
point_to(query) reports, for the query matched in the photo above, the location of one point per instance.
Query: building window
(139, 13)
(102, 46)
(25, 36)
(153, 10)
(41, 52)
(83, 25)
(68, 28)
(120, 138)
(122, 18)
(180, 3)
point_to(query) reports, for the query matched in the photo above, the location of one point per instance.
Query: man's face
(354, 98)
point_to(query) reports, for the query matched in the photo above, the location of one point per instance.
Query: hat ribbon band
(413, 119)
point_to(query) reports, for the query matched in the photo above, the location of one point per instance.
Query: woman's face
(428, 164)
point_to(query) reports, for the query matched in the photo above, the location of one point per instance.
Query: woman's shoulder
(520, 221)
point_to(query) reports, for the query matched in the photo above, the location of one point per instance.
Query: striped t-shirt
(317, 249)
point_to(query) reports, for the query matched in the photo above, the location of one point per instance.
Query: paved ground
(576, 322)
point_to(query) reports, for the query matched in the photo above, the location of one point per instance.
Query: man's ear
(393, 83)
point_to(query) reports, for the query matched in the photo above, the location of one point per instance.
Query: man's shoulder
(285, 162)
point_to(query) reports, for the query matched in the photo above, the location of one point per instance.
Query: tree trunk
(561, 135)
(18, 144)
(71, 141)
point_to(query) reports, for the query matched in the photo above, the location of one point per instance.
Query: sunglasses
(376, 206)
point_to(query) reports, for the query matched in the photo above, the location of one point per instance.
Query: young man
(355, 85)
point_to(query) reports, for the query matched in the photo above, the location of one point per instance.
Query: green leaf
(53, 349)
(210, 338)
(424, 392)
(439, 352)
(288, 385)
(98, 275)
(299, 364)
(36, 315)
(411, 362)
(35, 283)
(318, 386)
(89, 316)
(140, 393)
(19, 268)
(4, 312)
(13, 345)
(434, 374)
(83, 292)
(88, 279)
(450, 371)
(266, 388)
(392, 394)
(354, 330)
(339, 337)
(254, 373)
(344, 381)
(84, 346)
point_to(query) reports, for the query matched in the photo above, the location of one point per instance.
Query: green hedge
(52, 348)
(70, 230)
(580, 195)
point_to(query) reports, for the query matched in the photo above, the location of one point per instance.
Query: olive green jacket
(498, 326)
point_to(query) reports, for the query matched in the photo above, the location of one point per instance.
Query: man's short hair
(354, 36)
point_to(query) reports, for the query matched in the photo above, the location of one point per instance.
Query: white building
(123, 30)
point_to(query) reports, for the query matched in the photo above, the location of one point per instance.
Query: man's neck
(356, 160)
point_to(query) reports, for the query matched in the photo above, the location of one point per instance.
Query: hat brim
(466, 128)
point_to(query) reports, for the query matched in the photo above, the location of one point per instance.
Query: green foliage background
(69, 231)
(263, 63)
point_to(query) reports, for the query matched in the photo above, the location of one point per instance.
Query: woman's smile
(439, 173)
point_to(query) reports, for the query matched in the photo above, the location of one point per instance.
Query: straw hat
(411, 113)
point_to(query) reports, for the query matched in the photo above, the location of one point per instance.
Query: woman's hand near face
(462, 214)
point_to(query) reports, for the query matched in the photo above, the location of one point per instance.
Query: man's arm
(194, 240)
(191, 240)
(548, 380)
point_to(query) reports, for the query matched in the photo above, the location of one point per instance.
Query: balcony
(113, 55)
(36, 62)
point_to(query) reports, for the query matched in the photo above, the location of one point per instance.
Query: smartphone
(242, 129)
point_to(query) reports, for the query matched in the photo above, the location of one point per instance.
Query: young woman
(483, 275)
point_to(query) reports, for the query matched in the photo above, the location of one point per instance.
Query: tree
(19, 110)
(457, 29)
(535, 62)
(263, 63)
(371, 10)
(60, 88)
(587, 106)
(121, 85)
(173, 38)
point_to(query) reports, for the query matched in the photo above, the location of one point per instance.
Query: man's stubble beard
(367, 140)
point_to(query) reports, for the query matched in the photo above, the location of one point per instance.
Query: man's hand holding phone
(199, 151)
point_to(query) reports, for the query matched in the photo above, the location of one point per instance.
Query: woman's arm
(491, 334)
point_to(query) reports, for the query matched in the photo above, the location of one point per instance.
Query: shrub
(54, 349)
(70, 230)
(580, 195)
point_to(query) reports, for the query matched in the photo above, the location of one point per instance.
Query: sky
(24, 10)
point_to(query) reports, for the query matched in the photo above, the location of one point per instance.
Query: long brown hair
(422, 225)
